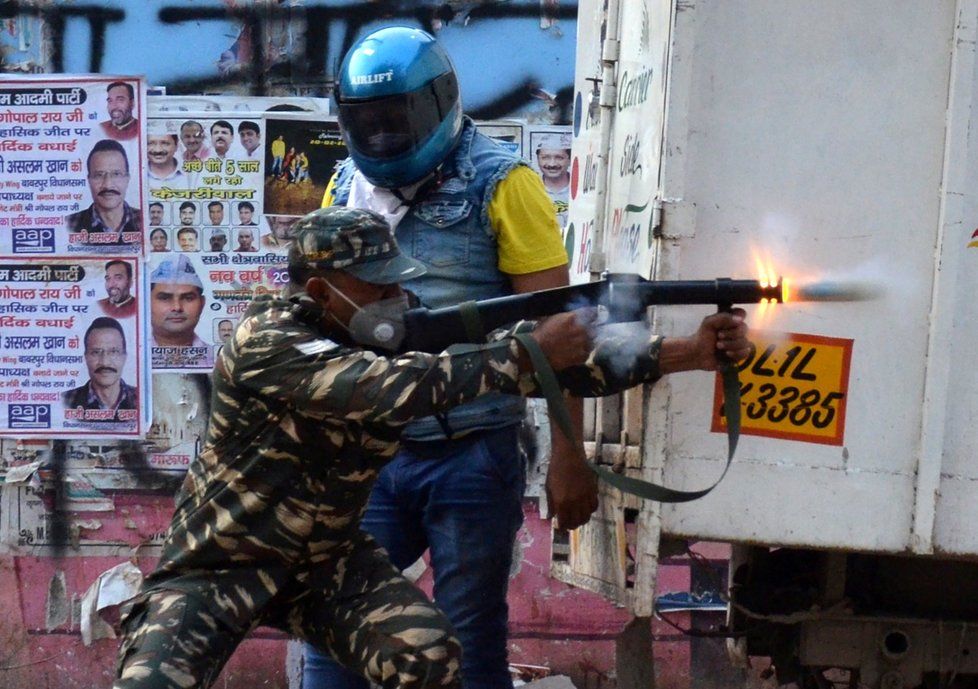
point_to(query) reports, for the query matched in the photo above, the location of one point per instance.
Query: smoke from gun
(834, 290)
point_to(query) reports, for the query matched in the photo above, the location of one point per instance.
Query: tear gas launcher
(623, 297)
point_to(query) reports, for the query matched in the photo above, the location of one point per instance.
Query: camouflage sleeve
(616, 363)
(624, 355)
(321, 378)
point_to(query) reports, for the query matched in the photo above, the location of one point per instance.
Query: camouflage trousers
(375, 622)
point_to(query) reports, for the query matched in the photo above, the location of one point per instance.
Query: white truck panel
(954, 336)
(825, 152)
(621, 69)
(585, 200)
(833, 140)
(819, 507)
(636, 135)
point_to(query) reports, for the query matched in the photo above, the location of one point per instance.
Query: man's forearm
(572, 488)
(616, 364)
(558, 439)
(675, 355)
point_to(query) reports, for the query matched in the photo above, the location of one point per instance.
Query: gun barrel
(629, 298)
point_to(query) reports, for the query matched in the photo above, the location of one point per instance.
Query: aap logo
(29, 415)
(36, 240)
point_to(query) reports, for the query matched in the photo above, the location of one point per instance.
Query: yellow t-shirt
(522, 216)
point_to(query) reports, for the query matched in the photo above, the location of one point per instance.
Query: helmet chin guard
(398, 102)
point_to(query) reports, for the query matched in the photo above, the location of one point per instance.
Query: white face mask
(379, 324)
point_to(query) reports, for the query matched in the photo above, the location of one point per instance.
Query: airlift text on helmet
(373, 78)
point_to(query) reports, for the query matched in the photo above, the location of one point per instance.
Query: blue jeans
(462, 499)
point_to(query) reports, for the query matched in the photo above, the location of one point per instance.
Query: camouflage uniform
(266, 531)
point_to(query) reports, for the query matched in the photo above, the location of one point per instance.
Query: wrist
(676, 354)
(566, 466)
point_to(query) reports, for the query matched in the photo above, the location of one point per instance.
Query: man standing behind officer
(266, 530)
(483, 225)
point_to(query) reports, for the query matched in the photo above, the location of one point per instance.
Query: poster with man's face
(179, 291)
(550, 155)
(72, 348)
(71, 155)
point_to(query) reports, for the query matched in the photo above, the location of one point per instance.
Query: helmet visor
(393, 125)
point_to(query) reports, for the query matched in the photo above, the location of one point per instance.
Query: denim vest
(449, 231)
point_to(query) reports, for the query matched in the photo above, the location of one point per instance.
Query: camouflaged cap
(359, 242)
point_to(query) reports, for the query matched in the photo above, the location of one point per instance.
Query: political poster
(211, 244)
(549, 153)
(71, 155)
(70, 348)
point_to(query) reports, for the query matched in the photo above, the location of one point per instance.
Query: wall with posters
(158, 265)
(84, 491)
(87, 491)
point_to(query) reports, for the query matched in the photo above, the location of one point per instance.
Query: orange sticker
(792, 386)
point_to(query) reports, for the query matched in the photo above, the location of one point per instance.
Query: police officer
(303, 417)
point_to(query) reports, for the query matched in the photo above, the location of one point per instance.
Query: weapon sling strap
(644, 489)
(468, 311)
(474, 332)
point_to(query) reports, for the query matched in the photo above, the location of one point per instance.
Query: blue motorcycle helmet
(398, 103)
